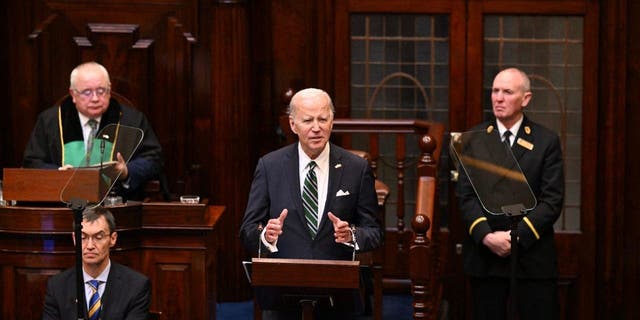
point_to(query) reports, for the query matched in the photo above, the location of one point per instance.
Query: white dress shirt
(86, 129)
(322, 173)
(88, 292)
(514, 130)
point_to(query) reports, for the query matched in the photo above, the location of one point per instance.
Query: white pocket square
(342, 193)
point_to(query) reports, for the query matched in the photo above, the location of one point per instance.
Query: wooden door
(437, 59)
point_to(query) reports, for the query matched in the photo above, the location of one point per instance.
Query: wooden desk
(173, 244)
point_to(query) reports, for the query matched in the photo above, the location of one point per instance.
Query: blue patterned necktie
(310, 199)
(95, 306)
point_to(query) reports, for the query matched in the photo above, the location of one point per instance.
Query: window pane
(550, 50)
(404, 59)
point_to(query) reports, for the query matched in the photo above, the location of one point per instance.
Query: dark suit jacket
(543, 169)
(127, 295)
(276, 186)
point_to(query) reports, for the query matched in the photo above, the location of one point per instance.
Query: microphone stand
(515, 213)
(78, 206)
(101, 152)
(259, 240)
(102, 139)
(353, 239)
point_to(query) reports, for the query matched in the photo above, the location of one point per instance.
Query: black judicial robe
(58, 130)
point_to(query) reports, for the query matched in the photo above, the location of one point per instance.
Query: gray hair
(306, 93)
(93, 214)
(85, 66)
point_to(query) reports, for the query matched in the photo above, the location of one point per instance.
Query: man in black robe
(62, 137)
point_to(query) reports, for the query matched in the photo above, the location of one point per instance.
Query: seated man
(63, 135)
(112, 290)
(315, 201)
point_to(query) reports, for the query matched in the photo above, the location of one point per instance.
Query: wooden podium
(46, 185)
(306, 275)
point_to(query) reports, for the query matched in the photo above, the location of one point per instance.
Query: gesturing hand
(122, 166)
(274, 227)
(341, 229)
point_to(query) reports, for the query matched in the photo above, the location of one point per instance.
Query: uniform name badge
(525, 144)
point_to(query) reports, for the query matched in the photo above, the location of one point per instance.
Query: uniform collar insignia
(489, 129)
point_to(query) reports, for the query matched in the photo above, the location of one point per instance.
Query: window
(400, 70)
(549, 49)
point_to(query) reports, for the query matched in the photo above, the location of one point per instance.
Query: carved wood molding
(113, 28)
(230, 1)
(143, 14)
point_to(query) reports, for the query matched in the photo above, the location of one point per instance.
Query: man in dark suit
(487, 250)
(112, 291)
(338, 217)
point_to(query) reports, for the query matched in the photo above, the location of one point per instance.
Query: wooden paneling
(172, 271)
(145, 46)
(631, 246)
(230, 144)
(210, 75)
(179, 255)
(26, 184)
(6, 145)
(269, 272)
(617, 174)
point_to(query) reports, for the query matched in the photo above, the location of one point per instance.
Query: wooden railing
(430, 139)
(425, 262)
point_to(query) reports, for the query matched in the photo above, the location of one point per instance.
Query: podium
(306, 281)
(86, 182)
(44, 185)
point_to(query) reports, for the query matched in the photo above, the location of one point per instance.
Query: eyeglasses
(88, 93)
(98, 237)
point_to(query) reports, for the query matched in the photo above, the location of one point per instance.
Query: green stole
(72, 142)
(75, 153)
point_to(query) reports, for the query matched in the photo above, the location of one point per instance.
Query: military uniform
(539, 155)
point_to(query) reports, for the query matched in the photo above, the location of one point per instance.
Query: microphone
(259, 240)
(102, 139)
(353, 239)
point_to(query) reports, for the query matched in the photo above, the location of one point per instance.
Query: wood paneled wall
(618, 243)
(185, 64)
(631, 243)
(210, 75)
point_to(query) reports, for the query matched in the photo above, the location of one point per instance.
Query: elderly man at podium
(63, 135)
(311, 200)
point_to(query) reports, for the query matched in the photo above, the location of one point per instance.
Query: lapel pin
(527, 130)
(489, 129)
(339, 165)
